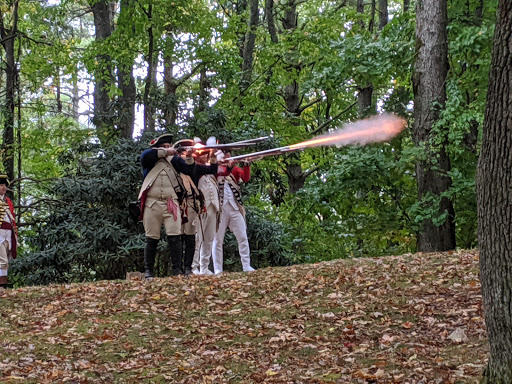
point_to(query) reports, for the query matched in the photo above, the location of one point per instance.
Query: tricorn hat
(183, 143)
(4, 180)
(158, 141)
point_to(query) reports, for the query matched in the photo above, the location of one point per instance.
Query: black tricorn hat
(158, 141)
(183, 143)
(4, 180)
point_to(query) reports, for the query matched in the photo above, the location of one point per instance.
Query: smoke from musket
(371, 130)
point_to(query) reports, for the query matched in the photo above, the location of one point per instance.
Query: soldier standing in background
(208, 220)
(194, 203)
(8, 232)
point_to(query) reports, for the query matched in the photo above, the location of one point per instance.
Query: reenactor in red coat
(8, 232)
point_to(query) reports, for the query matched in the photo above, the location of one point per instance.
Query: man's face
(166, 145)
(3, 189)
(202, 158)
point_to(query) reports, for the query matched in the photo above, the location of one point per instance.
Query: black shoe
(149, 275)
(176, 254)
(190, 245)
(149, 257)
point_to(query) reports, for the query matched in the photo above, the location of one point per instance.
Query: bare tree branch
(34, 40)
(328, 122)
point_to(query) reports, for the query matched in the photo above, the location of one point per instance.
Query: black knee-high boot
(190, 247)
(149, 257)
(176, 252)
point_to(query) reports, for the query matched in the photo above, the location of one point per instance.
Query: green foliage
(88, 234)
(48, 144)
(356, 201)
(357, 206)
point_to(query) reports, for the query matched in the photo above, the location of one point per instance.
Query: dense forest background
(84, 86)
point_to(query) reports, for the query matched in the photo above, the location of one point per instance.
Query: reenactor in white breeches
(232, 216)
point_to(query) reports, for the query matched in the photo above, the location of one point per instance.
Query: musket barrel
(223, 147)
(253, 141)
(261, 154)
(228, 146)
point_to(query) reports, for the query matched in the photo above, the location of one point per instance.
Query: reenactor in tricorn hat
(8, 232)
(194, 203)
(162, 197)
(208, 220)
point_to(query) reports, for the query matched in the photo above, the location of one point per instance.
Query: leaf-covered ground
(400, 319)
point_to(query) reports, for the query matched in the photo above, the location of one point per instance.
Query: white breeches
(206, 230)
(232, 219)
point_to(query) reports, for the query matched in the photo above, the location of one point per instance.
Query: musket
(198, 147)
(265, 153)
(253, 141)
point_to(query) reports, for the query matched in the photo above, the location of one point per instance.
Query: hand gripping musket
(371, 130)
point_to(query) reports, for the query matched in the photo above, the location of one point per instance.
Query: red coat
(238, 173)
(14, 232)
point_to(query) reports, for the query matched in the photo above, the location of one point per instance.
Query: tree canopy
(84, 86)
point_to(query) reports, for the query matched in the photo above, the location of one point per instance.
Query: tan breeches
(4, 258)
(189, 228)
(156, 215)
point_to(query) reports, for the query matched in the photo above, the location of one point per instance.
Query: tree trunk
(364, 98)
(170, 87)
(296, 176)
(494, 186)
(294, 172)
(269, 14)
(75, 98)
(58, 90)
(127, 102)
(103, 75)
(471, 136)
(203, 93)
(149, 109)
(383, 13)
(360, 9)
(364, 101)
(126, 83)
(479, 12)
(431, 69)
(372, 17)
(8, 35)
(272, 30)
(241, 6)
(248, 51)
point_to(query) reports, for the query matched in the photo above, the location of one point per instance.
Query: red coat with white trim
(14, 231)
